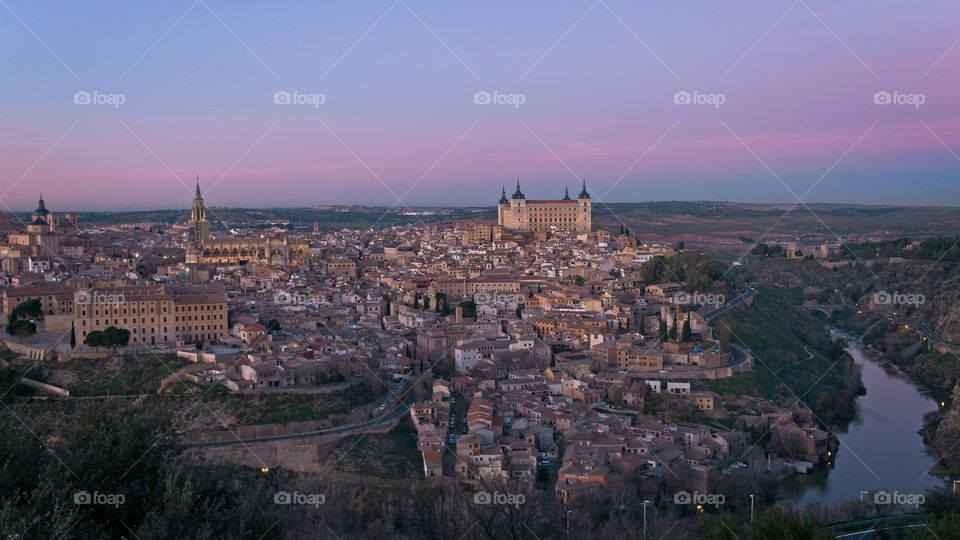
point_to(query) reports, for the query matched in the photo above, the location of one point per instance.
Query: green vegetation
(944, 249)
(779, 334)
(130, 375)
(285, 408)
(31, 309)
(390, 455)
(117, 451)
(697, 271)
(109, 337)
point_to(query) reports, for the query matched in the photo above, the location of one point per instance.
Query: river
(880, 449)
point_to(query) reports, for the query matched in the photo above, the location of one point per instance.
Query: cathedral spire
(198, 187)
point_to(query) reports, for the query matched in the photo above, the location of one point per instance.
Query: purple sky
(398, 123)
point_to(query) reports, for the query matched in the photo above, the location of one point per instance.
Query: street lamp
(645, 503)
(751, 509)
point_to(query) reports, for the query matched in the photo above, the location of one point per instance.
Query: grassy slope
(777, 332)
(390, 455)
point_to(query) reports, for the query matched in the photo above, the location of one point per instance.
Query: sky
(119, 105)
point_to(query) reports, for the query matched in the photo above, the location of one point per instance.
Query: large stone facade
(272, 251)
(528, 215)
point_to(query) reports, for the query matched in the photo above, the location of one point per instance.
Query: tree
(31, 309)
(21, 328)
(114, 336)
(469, 308)
(416, 302)
(426, 303)
(662, 333)
(95, 339)
(674, 329)
(687, 335)
(726, 336)
(73, 336)
(273, 326)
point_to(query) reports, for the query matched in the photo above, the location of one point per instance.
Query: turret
(518, 194)
(583, 192)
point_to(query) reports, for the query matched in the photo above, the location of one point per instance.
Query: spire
(198, 186)
(41, 207)
(566, 193)
(518, 194)
(503, 195)
(583, 192)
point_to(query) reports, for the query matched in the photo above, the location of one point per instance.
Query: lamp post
(645, 503)
(568, 522)
(751, 509)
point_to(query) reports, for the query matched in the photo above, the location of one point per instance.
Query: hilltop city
(537, 353)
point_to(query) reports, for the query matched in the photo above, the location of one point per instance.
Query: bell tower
(198, 218)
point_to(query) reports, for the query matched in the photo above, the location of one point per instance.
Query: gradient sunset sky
(399, 124)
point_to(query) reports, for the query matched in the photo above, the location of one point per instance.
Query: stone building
(528, 215)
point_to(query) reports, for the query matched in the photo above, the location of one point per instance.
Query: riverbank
(880, 450)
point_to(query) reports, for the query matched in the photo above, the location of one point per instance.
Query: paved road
(396, 410)
(749, 292)
(920, 326)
